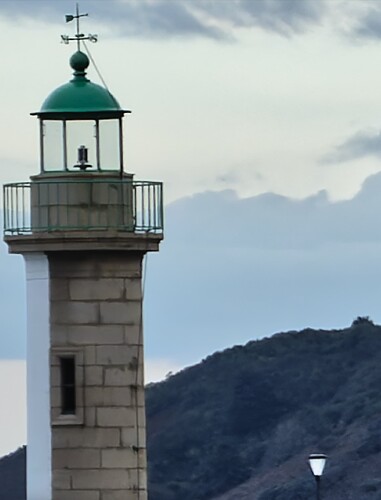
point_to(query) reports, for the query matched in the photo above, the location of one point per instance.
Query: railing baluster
(150, 186)
(91, 197)
(12, 213)
(23, 207)
(5, 211)
(161, 208)
(134, 211)
(154, 208)
(144, 208)
(68, 218)
(58, 209)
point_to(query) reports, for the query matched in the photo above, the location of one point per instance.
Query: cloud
(271, 222)
(362, 19)
(213, 19)
(162, 18)
(368, 25)
(282, 16)
(360, 145)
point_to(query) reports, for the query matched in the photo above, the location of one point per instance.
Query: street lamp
(317, 463)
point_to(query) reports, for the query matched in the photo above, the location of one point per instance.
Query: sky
(262, 118)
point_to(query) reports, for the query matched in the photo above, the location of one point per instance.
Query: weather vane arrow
(78, 37)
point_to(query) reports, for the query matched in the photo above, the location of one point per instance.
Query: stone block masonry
(96, 310)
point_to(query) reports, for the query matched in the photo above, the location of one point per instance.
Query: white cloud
(13, 412)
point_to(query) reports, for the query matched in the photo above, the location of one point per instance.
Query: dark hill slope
(12, 476)
(241, 424)
(250, 416)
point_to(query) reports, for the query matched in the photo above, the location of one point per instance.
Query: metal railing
(86, 204)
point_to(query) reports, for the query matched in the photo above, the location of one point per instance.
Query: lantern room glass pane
(109, 145)
(53, 146)
(81, 134)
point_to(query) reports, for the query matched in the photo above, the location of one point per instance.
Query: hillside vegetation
(241, 424)
(13, 476)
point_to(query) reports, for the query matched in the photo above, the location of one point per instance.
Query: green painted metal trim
(74, 115)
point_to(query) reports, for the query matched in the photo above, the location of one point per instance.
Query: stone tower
(83, 226)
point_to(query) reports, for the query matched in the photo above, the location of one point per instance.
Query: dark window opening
(68, 400)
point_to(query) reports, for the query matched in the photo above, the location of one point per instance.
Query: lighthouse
(84, 225)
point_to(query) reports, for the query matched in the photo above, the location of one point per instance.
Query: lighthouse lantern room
(81, 125)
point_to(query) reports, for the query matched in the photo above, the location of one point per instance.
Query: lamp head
(317, 463)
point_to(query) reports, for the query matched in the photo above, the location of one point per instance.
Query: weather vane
(78, 37)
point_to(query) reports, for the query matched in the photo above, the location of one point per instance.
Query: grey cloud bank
(369, 24)
(213, 19)
(156, 18)
(282, 16)
(231, 270)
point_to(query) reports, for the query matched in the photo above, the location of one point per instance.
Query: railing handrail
(85, 181)
(32, 207)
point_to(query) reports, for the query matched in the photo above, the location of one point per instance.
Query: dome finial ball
(79, 61)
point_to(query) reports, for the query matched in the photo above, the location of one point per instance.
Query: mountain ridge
(241, 424)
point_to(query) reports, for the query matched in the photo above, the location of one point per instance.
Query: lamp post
(317, 463)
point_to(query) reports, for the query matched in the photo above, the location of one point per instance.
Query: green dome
(80, 98)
